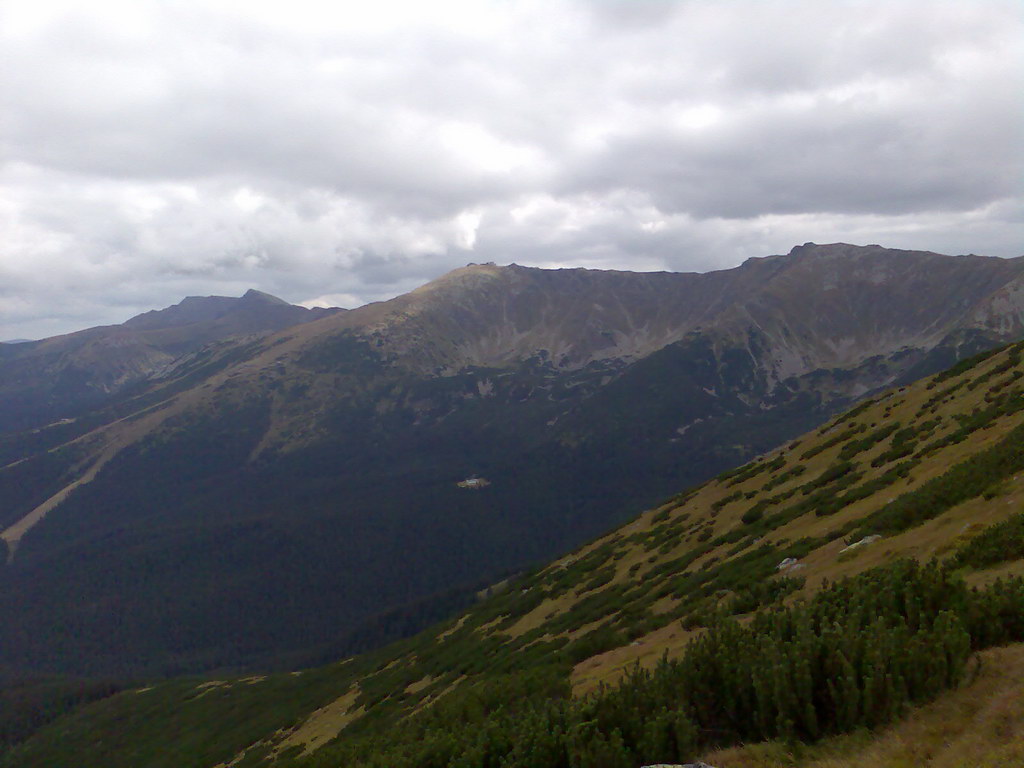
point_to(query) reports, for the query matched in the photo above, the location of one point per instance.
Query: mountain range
(41, 381)
(240, 483)
(854, 596)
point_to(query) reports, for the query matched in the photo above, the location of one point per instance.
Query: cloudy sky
(334, 153)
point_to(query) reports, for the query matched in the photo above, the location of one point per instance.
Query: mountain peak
(834, 249)
(470, 275)
(810, 250)
(203, 309)
(253, 295)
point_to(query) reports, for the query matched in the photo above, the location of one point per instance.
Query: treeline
(856, 655)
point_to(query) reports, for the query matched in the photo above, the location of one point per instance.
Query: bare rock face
(818, 306)
(833, 321)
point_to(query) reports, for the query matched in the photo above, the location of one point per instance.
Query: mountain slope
(54, 378)
(313, 474)
(979, 725)
(931, 471)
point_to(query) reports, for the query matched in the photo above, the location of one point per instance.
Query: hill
(831, 585)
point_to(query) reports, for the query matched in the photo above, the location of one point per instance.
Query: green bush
(842, 437)
(854, 656)
(996, 544)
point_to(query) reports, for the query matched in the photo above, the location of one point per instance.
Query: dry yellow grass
(453, 628)
(324, 724)
(319, 727)
(432, 698)
(420, 684)
(647, 651)
(539, 615)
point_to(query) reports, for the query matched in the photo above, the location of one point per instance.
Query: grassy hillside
(810, 547)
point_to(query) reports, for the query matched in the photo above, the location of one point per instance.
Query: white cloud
(315, 149)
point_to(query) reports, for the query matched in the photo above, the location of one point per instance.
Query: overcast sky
(334, 153)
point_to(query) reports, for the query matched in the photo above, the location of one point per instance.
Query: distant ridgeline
(834, 584)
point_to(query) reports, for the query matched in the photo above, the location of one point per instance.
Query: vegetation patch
(753, 470)
(963, 366)
(966, 480)
(842, 437)
(996, 544)
(789, 474)
(856, 655)
(868, 442)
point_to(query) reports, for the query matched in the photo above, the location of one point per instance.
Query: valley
(907, 505)
(497, 384)
(312, 472)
